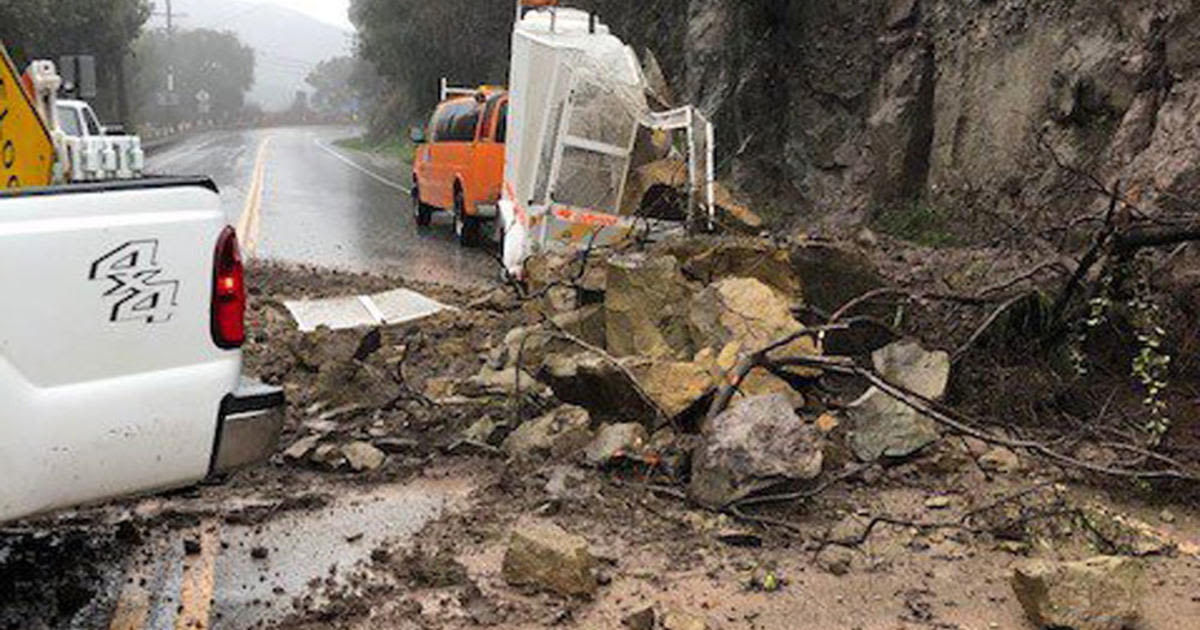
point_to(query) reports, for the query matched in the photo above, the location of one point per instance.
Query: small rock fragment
(616, 440)
(301, 448)
(836, 560)
(1000, 460)
(640, 620)
(362, 456)
(937, 503)
(328, 456)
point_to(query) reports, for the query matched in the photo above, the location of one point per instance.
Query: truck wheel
(422, 212)
(466, 228)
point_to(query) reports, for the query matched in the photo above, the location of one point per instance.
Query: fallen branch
(759, 359)
(930, 409)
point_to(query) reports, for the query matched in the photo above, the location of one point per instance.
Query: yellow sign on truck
(26, 150)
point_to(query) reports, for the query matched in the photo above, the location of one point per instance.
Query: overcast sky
(332, 11)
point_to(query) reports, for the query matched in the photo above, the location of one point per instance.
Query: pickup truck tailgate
(110, 381)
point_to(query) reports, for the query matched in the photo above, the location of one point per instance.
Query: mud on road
(328, 535)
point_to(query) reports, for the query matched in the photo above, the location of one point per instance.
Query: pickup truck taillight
(229, 293)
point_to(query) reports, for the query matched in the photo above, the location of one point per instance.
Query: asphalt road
(297, 198)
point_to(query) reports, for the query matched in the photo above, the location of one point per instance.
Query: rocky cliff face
(852, 108)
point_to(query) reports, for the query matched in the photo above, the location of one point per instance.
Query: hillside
(288, 44)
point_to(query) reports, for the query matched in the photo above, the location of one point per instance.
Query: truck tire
(422, 212)
(466, 228)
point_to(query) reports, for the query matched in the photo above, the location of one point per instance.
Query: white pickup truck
(120, 336)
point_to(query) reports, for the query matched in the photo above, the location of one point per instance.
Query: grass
(919, 223)
(392, 146)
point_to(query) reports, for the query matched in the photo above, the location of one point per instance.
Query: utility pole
(171, 100)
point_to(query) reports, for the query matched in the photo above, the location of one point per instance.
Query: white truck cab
(120, 359)
(90, 152)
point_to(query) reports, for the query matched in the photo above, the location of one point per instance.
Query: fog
(289, 38)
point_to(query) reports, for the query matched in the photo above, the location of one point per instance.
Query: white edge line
(348, 162)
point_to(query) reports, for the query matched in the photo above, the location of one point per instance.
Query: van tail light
(229, 293)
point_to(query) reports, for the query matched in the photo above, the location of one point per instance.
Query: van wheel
(422, 212)
(465, 228)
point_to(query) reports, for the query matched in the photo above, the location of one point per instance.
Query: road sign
(26, 151)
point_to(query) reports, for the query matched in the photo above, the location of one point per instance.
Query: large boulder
(749, 313)
(645, 305)
(531, 345)
(675, 386)
(596, 383)
(708, 260)
(1103, 593)
(752, 447)
(542, 555)
(556, 434)
(880, 425)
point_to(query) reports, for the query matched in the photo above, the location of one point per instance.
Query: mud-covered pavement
(321, 537)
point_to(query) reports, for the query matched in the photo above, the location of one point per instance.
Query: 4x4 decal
(136, 293)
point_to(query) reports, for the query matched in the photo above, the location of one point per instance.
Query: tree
(49, 29)
(341, 84)
(215, 63)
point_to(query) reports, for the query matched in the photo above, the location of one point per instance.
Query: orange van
(459, 162)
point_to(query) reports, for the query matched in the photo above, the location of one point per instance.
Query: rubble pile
(612, 367)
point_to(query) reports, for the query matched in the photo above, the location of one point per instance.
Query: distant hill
(288, 44)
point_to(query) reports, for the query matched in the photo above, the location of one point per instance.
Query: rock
(616, 440)
(483, 431)
(907, 364)
(301, 448)
(567, 482)
(1103, 593)
(490, 382)
(1166, 516)
(709, 260)
(645, 306)
(827, 423)
(900, 125)
(901, 13)
(752, 447)
(675, 386)
(676, 620)
(836, 560)
(940, 502)
(542, 555)
(556, 434)
(882, 426)
(595, 383)
(640, 620)
(1125, 534)
(362, 456)
(749, 313)
(440, 387)
(1000, 460)
(734, 213)
(396, 446)
(328, 456)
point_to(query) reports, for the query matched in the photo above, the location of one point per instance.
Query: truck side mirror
(417, 134)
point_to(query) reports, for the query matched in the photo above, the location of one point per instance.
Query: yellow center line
(248, 224)
(199, 577)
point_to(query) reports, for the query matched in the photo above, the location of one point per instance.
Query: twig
(987, 323)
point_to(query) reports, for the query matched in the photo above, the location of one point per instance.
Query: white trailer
(578, 101)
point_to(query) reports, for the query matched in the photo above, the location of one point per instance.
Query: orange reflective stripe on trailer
(586, 217)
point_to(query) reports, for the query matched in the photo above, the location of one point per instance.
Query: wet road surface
(296, 197)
